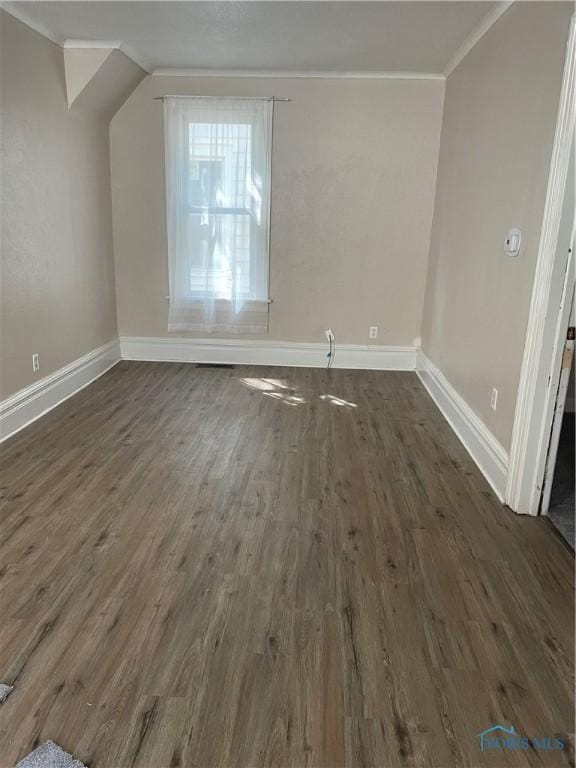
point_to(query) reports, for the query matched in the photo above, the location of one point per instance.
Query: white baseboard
(264, 352)
(27, 405)
(490, 457)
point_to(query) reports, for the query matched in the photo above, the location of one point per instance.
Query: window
(217, 196)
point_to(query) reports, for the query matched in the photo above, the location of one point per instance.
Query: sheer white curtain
(218, 203)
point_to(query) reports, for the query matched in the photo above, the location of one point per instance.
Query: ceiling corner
(477, 34)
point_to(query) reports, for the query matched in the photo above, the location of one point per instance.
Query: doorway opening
(559, 490)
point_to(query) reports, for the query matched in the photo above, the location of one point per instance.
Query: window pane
(219, 183)
(217, 173)
(221, 262)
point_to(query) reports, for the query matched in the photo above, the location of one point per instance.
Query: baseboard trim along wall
(489, 455)
(264, 352)
(27, 405)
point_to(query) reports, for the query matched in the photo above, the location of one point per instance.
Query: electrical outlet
(373, 333)
(329, 333)
(35, 362)
(494, 399)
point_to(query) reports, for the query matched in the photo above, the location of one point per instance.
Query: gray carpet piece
(562, 500)
(5, 691)
(49, 755)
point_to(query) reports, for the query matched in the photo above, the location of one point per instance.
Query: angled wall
(80, 66)
(499, 119)
(57, 287)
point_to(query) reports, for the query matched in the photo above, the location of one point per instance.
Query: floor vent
(215, 365)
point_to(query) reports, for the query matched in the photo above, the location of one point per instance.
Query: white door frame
(535, 400)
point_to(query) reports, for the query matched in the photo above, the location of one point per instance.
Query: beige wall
(57, 268)
(498, 127)
(352, 204)
(354, 166)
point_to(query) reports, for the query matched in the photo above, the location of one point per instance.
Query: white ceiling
(321, 37)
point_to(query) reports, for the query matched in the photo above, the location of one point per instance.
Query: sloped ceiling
(324, 37)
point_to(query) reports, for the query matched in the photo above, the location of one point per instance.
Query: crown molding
(71, 43)
(476, 35)
(117, 45)
(262, 73)
(19, 13)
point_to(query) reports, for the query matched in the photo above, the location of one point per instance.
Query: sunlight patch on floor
(338, 401)
(266, 385)
(281, 390)
(277, 389)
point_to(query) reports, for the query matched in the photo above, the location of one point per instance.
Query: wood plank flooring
(258, 567)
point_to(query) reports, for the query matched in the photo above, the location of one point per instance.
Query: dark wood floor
(271, 567)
